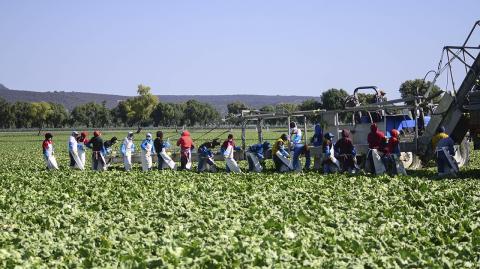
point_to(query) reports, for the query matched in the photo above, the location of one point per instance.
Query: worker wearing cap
(96, 144)
(444, 151)
(317, 140)
(280, 155)
(75, 161)
(128, 147)
(298, 148)
(147, 150)
(48, 152)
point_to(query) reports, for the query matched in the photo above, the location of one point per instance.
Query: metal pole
(288, 121)
(244, 124)
(305, 129)
(259, 130)
(416, 125)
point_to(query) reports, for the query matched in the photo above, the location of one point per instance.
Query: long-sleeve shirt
(127, 146)
(448, 143)
(279, 146)
(47, 148)
(297, 137)
(185, 142)
(159, 145)
(96, 144)
(393, 146)
(205, 152)
(436, 138)
(72, 143)
(147, 145)
(344, 146)
(257, 149)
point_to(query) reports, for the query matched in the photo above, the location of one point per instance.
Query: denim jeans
(298, 149)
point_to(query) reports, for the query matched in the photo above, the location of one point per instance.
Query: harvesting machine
(416, 117)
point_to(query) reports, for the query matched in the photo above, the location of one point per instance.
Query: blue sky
(225, 47)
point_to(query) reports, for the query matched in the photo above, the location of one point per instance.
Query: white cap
(149, 135)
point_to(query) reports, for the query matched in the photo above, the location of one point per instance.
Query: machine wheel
(462, 153)
(410, 160)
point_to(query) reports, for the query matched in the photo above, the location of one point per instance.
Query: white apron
(51, 161)
(451, 162)
(81, 154)
(399, 168)
(257, 167)
(101, 165)
(167, 159)
(231, 163)
(287, 165)
(379, 167)
(188, 165)
(147, 158)
(127, 158)
(78, 160)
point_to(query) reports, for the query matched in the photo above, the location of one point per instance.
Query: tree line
(141, 110)
(146, 110)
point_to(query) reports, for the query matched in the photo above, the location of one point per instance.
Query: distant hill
(72, 99)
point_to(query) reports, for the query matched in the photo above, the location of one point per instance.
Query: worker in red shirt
(48, 152)
(377, 148)
(186, 145)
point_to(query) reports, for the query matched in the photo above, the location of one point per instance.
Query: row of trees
(142, 110)
(146, 110)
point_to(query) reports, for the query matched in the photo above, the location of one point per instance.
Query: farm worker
(186, 145)
(298, 148)
(376, 140)
(96, 144)
(206, 163)
(256, 156)
(439, 135)
(108, 149)
(395, 165)
(81, 141)
(317, 140)
(445, 152)
(161, 146)
(75, 161)
(330, 163)
(346, 153)
(228, 148)
(127, 149)
(380, 97)
(280, 155)
(47, 147)
(147, 151)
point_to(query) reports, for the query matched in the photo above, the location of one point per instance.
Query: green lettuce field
(172, 219)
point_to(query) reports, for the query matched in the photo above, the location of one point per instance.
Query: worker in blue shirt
(255, 156)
